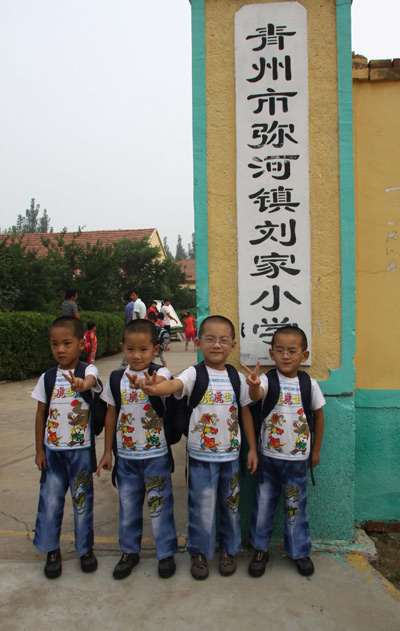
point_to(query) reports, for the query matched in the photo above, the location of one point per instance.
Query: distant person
(163, 337)
(69, 306)
(139, 310)
(165, 309)
(190, 329)
(152, 309)
(91, 342)
(129, 308)
(63, 449)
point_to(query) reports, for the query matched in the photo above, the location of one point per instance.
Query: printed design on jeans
(232, 501)
(273, 426)
(126, 428)
(153, 424)
(206, 426)
(233, 427)
(79, 420)
(81, 482)
(52, 438)
(155, 500)
(302, 430)
(292, 497)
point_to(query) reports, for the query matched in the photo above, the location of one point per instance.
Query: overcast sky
(95, 108)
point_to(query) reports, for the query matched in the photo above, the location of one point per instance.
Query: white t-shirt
(139, 307)
(214, 433)
(140, 432)
(285, 433)
(67, 425)
(165, 310)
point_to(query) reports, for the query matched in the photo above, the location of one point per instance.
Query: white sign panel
(272, 174)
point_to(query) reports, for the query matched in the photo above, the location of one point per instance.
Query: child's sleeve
(188, 378)
(39, 392)
(317, 398)
(92, 370)
(106, 395)
(244, 391)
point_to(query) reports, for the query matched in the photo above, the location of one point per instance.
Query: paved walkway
(345, 592)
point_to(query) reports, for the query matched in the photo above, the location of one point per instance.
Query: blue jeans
(289, 478)
(209, 482)
(136, 478)
(65, 469)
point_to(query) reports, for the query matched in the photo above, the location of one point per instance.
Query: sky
(95, 111)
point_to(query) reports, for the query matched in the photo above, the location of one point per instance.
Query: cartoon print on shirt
(292, 497)
(52, 438)
(232, 501)
(272, 426)
(303, 432)
(153, 424)
(126, 429)
(79, 420)
(81, 482)
(206, 426)
(233, 427)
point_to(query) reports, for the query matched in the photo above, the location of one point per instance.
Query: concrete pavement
(345, 593)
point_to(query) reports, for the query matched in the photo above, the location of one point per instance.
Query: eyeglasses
(211, 341)
(280, 352)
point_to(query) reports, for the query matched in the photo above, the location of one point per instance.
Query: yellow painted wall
(377, 198)
(324, 173)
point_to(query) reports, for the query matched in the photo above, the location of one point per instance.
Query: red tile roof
(107, 237)
(189, 267)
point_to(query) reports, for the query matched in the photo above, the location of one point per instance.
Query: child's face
(139, 350)
(65, 346)
(216, 343)
(288, 353)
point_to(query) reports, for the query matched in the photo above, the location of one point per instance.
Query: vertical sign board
(272, 178)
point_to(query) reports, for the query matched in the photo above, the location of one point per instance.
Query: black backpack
(157, 404)
(97, 407)
(261, 412)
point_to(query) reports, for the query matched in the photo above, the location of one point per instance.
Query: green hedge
(24, 340)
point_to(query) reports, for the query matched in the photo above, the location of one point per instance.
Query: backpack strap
(305, 390)
(156, 402)
(115, 380)
(200, 385)
(235, 381)
(272, 396)
(49, 383)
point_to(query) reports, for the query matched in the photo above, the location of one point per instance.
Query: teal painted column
(200, 157)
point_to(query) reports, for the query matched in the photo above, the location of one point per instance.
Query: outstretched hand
(253, 378)
(150, 384)
(77, 384)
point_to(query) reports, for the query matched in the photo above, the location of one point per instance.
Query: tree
(31, 221)
(180, 250)
(191, 248)
(166, 247)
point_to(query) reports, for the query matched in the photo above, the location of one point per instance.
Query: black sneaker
(166, 567)
(258, 563)
(88, 562)
(125, 565)
(53, 568)
(305, 566)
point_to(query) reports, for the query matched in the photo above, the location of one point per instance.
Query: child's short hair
(291, 330)
(69, 293)
(141, 326)
(152, 316)
(69, 322)
(216, 318)
(160, 316)
(91, 325)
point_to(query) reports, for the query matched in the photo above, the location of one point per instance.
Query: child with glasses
(285, 449)
(213, 446)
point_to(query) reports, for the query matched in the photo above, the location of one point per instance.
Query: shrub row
(24, 340)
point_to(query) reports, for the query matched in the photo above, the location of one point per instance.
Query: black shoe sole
(52, 574)
(166, 574)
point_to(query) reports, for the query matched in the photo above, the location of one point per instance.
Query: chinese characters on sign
(272, 178)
